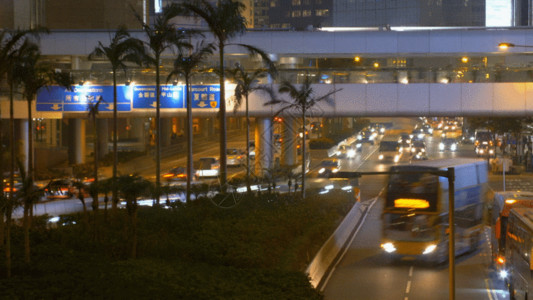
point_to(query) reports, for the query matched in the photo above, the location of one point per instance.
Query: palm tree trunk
(248, 188)
(114, 197)
(303, 153)
(189, 139)
(8, 242)
(27, 203)
(222, 121)
(11, 179)
(158, 133)
(96, 154)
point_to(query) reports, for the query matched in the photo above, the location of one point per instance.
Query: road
(365, 273)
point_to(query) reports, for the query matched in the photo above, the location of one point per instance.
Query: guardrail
(327, 254)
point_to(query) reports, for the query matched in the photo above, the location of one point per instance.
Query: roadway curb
(323, 261)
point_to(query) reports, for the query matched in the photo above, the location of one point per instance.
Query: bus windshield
(409, 227)
(412, 191)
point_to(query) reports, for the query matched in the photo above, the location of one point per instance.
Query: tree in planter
(162, 35)
(93, 108)
(225, 22)
(13, 46)
(121, 49)
(303, 100)
(131, 188)
(34, 74)
(28, 194)
(185, 65)
(247, 83)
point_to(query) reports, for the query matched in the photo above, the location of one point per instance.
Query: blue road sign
(55, 98)
(171, 97)
(205, 96)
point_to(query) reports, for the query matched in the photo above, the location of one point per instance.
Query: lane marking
(408, 288)
(411, 271)
(488, 289)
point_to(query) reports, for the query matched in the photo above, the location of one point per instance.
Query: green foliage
(321, 143)
(257, 250)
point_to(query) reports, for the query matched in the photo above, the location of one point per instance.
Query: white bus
(518, 253)
(415, 213)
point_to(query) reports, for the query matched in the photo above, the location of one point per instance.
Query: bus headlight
(380, 157)
(453, 147)
(430, 249)
(396, 158)
(322, 170)
(388, 247)
(350, 153)
(503, 274)
(491, 151)
(441, 146)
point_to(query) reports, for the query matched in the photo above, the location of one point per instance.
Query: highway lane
(364, 272)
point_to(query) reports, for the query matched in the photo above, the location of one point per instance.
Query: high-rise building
(363, 13)
(300, 14)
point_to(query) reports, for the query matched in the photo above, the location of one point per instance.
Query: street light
(505, 46)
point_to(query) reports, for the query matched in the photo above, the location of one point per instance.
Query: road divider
(323, 260)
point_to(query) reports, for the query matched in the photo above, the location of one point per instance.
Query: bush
(321, 143)
(257, 250)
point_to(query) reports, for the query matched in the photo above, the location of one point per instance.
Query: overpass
(396, 72)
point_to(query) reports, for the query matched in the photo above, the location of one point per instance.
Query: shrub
(321, 143)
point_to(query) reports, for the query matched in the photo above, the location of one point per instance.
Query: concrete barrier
(325, 257)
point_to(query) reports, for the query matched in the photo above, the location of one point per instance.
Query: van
(389, 149)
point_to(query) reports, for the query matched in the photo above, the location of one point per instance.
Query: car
(448, 144)
(485, 151)
(366, 136)
(417, 147)
(345, 151)
(207, 167)
(328, 166)
(235, 157)
(177, 173)
(59, 189)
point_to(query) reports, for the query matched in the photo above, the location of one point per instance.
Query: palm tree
(225, 22)
(132, 187)
(247, 83)
(122, 48)
(302, 101)
(33, 75)
(28, 194)
(162, 35)
(13, 46)
(185, 65)
(93, 108)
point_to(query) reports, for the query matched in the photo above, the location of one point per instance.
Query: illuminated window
(306, 13)
(296, 13)
(322, 12)
(296, 2)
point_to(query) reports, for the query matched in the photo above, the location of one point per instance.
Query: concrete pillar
(77, 142)
(138, 131)
(102, 127)
(22, 11)
(21, 140)
(263, 145)
(166, 131)
(288, 144)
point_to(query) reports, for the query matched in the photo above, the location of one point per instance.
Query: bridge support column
(263, 145)
(166, 131)
(77, 143)
(102, 127)
(288, 144)
(138, 131)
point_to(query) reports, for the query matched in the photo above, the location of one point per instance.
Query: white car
(235, 157)
(207, 167)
